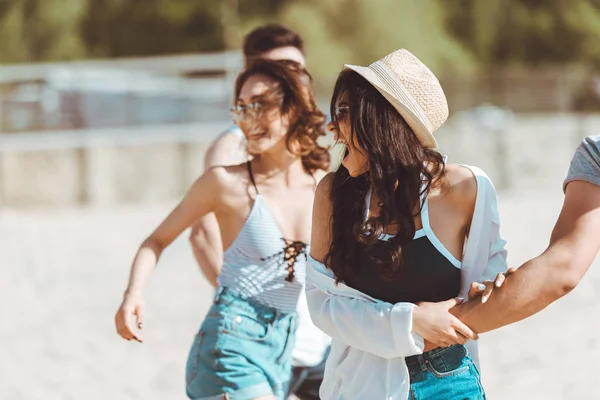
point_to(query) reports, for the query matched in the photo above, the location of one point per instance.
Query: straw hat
(412, 89)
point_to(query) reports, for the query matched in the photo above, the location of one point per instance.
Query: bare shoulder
(581, 197)
(324, 187)
(461, 185)
(227, 149)
(321, 219)
(320, 174)
(224, 178)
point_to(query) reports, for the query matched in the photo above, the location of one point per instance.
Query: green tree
(362, 31)
(527, 31)
(34, 30)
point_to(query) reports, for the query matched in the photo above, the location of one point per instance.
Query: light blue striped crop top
(261, 264)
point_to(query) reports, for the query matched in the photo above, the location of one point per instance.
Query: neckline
(419, 233)
(251, 216)
(259, 197)
(425, 231)
(253, 181)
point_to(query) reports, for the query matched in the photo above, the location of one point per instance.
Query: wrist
(415, 319)
(133, 291)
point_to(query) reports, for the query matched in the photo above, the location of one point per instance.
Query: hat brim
(419, 128)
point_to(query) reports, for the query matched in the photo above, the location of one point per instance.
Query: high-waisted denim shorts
(242, 350)
(444, 373)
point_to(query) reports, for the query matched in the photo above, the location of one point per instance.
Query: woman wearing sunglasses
(398, 235)
(263, 208)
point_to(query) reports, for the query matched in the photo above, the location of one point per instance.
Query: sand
(62, 273)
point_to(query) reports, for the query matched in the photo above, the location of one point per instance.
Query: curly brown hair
(307, 122)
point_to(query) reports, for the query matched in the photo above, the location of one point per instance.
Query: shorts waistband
(420, 361)
(225, 295)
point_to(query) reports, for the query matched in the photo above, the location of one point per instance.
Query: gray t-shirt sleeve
(585, 165)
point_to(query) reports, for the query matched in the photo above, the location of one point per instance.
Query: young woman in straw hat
(243, 348)
(398, 237)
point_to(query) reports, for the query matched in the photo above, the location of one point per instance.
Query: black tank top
(430, 272)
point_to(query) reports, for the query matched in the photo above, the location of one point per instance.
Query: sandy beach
(63, 273)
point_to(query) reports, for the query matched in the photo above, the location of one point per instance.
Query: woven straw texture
(421, 83)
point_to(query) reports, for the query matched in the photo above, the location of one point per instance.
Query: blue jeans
(444, 373)
(242, 350)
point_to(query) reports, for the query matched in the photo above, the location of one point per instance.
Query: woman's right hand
(434, 323)
(132, 304)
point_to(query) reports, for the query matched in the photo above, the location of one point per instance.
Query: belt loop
(218, 294)
(422, 362)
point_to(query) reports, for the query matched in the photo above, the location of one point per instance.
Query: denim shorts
(444, 373)
(242, 350)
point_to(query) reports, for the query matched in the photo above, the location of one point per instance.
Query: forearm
(534, 286)
(143, 264)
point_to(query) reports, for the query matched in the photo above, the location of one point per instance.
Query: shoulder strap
(251, 176)
(368, 203)
(425, 208)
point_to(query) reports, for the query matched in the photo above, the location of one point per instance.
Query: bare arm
(573, 246)
(200, 200)
(205, 236)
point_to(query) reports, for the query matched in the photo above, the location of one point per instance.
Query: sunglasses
(256, 110)
(339, 112)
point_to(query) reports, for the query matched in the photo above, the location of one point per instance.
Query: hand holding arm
(573, 246)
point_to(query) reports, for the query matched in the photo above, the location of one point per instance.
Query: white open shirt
(371, 338)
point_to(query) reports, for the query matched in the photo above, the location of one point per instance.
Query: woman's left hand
(486, 288)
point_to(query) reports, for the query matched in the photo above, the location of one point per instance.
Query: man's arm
(573, 246)
(228, 149)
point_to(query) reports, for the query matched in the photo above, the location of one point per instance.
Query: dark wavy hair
(401, 169)
(307, 122)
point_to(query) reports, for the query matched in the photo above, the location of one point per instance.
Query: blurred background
(107, 108)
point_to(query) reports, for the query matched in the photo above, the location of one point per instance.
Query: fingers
(139, 317)
(498, 282)
(489, 288)
(460, 338)
(452, 302)
(128, 326)
(451, 337)
(121, 324)
(499, 279)
(454, 337)
(476, 289)
(463, 329)
(124, 326)
(442, 341)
